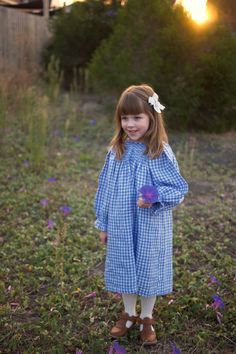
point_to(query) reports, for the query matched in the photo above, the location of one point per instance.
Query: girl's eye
(137, 117)
(123, 118)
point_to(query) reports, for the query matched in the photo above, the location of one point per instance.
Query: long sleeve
(167, 179)
(101, 198)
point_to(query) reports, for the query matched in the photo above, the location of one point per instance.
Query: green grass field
(52, 291)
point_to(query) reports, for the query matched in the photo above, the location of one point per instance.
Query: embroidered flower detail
(149, 194)
(154, 101)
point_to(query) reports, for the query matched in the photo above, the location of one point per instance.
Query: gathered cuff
(102, 226)
(161, 206)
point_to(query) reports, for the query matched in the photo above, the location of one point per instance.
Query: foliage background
(76, 35)
(193, 68)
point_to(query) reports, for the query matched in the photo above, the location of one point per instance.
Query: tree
(226, 11)
(78, 33)
(192, 68)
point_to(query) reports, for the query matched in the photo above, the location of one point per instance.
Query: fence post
(46, 9)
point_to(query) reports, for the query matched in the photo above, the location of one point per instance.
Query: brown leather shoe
(120, 329)
(147, 335)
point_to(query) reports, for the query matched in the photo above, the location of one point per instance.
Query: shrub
(126, 57)
(192, 68)
(76, 34)
(203, 98)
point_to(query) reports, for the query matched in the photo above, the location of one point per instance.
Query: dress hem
(140, 293)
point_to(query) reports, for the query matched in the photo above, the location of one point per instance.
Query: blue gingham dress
(139, 245)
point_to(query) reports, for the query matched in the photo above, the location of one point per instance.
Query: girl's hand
(142, 204)
(103, 237)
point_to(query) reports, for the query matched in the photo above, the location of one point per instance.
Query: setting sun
(197, 9)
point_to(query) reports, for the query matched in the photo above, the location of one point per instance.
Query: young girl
(138, 228)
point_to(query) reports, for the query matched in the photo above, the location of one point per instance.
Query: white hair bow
(154, 101)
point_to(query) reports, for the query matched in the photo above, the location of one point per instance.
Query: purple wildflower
(93, 122)
(175, 350)
(111, 13)
(77, 138)
(218, 303)
(50, 224)
(57, 133)
(149, 194)
(26, 163)
(44, 202)
(214, 280)
(65, 209)
(78, 351)
(92, 294)
(52, 179)
(117, 348)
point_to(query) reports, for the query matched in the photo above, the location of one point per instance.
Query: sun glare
(197, 9)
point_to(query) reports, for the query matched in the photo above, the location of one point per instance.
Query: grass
(46, 274)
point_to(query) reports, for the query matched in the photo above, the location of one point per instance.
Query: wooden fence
(22, 38)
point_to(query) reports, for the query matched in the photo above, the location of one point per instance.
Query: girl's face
(135, 126)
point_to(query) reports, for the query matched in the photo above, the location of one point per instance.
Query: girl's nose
(130, 123)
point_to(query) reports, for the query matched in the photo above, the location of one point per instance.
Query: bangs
(130, 104)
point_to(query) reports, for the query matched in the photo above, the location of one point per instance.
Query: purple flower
(117, 348)
(57, 133)
(77, 138)
(65, 209)
(214, 280)
(50, 224)
(44, 202)
(149, 194)
(26, 163)
(111, 13)
(52, 179)
(92, 294)
(78, 351)
(218, 303)
(175, 350)
(93, 122)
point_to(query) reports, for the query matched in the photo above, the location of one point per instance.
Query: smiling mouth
(132, 131)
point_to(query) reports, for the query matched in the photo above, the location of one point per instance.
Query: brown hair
(134, 100)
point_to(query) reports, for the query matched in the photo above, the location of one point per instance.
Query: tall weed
(54, 77)
(33, 122)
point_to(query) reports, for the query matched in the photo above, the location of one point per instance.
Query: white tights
(147, 305)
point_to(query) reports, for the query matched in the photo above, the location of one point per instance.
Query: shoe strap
(126, 317)
(146, 321)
